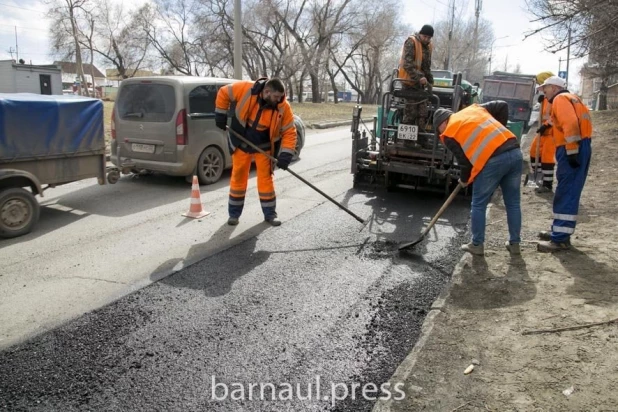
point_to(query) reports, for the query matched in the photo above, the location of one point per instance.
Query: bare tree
(120, 40)
(467, 56)
(368, 53)
(587, 27)
(65, 33)
(312, 24)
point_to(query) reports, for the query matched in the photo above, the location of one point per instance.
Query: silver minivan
(166, 124)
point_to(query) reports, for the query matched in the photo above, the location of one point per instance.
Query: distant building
(29, 78)
(113, 79)
(70, 77)
(591, 84)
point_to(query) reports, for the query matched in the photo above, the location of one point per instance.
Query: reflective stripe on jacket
(418, 57)
(244, 97)
(478, 134)
(571, 121)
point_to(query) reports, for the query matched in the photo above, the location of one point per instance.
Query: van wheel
(210, 166)
(19, 212)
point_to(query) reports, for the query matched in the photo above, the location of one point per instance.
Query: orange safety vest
(418, 57)
(547, 148)
(571, 121)
(478, 134)
(280, 122)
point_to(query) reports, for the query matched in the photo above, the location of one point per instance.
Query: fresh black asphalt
(316, 299)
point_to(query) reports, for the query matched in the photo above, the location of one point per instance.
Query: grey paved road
(316, 299)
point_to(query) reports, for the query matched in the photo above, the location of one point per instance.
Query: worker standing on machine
(415, 68)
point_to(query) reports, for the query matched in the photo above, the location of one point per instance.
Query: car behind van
(166, 124)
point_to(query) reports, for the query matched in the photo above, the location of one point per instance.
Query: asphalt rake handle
(342, 207)
(434, 220)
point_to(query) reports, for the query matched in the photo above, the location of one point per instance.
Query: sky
(509, 18)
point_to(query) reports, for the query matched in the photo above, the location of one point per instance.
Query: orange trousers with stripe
(241, 166)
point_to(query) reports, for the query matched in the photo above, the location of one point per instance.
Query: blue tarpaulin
(34, 125)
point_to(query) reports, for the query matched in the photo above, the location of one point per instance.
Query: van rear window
(146, 102)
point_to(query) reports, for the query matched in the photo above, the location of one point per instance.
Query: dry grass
(311, 113)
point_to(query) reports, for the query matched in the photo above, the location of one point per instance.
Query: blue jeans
(503, 170)
(569, 190)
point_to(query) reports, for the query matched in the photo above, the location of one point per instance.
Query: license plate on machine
(407, 132)
(142, 148)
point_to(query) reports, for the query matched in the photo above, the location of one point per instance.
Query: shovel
(434, 220)
(536, 173)
(342, 207)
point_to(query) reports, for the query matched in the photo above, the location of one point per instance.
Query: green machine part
(517, 128)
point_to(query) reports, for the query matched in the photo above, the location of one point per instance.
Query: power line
(19, 27)
(21, 8)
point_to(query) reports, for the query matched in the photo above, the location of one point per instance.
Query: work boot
(544, 235)
(273, 221)
(473, 249)
(232, 221)
(513, 248)
(542, 189)
(551, 246)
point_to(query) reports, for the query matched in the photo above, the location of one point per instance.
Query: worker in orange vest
(489, 156)
(572, 130)
(264, 117)
(543, 142)
(415, 69)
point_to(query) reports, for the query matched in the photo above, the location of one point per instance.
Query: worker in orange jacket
(415, 69)
(572, 130)
(264, 117)
(489, 155)
(544, 142)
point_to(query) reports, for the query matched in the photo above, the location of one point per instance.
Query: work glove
(284, 160)
(542, 129)
(541, 98)
(573, 162)
(221, 120)
(463, 184)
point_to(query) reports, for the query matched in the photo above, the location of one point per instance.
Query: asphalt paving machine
(400, 155)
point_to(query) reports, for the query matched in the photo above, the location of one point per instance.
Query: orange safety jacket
(244, 96)
(418, 57)
(547, 148)
(571, 121)
(478, 134)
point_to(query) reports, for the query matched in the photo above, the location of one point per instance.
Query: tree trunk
(78, 53)
(603, 94)
(315, 87)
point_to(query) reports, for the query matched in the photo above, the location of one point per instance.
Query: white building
(70, 77)
(29, 78)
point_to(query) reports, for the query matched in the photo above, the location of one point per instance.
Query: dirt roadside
(494, 300)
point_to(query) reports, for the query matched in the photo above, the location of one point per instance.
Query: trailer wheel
(19, 212)
(113, 177)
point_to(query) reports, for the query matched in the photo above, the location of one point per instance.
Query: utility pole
(568, 57)
(237, 41)
(477, 12)
(16, 47)
(11, 51)
(559, 64)
(447, 63)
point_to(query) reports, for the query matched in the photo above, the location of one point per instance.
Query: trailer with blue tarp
(45, 141)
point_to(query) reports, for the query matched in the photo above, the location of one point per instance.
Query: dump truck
(45, 141)
(395, 155)
(516, 89)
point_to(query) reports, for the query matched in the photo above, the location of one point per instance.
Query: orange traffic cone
(195, 210)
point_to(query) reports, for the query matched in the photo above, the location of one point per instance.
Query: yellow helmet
(541, 77)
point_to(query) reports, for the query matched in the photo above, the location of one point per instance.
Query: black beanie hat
(427, 30)
(440, 116)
